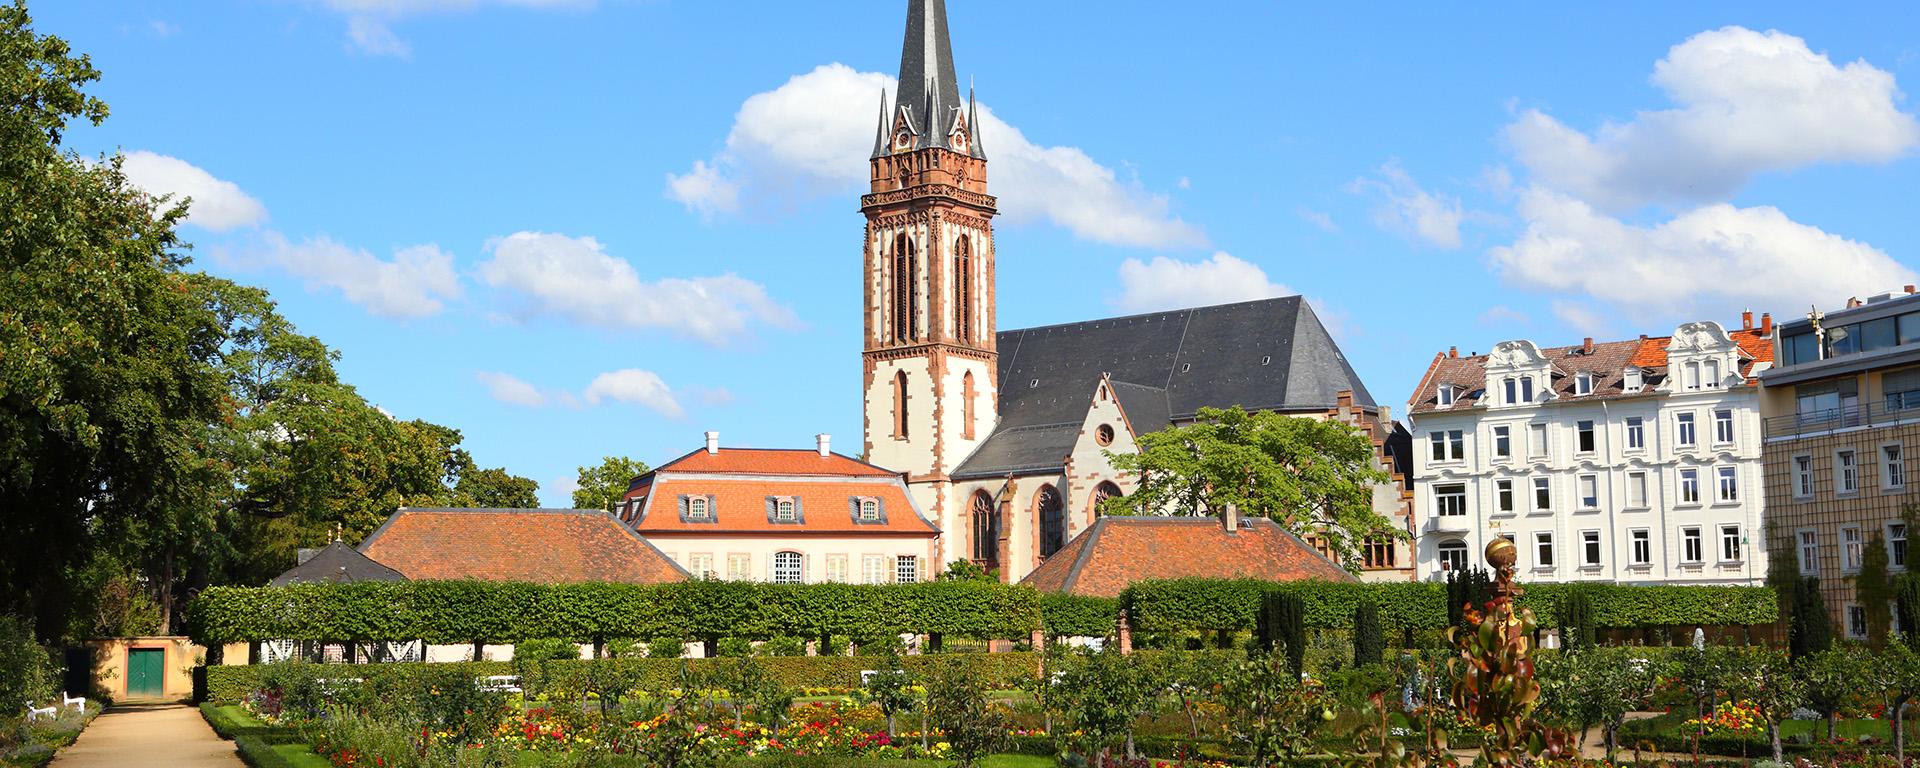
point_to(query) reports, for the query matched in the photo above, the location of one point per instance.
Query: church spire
(927, 81)
(880, 133)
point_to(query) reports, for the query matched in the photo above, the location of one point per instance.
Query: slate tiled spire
(928, 88)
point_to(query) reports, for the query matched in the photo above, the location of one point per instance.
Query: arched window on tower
(1053, 520)
(1105, 490)
(963, 289)
(902, 286)
(986, 531)
(900, 405)
(967, 395)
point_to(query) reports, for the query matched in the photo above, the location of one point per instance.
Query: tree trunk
(1612, 733)
(1833, 715)
(1900, 728)
(163, 592)
(890, 730)
(1773, 738)
(1193, 720)
(1131, 754)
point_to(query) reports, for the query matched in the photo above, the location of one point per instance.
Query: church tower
(929, 353)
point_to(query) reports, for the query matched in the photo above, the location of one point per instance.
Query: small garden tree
(749, 683)
(1102, 696)
(1897, 668)
(1809, 628)
(1831, 677)
(1576, 621)
(957, 704)
(1875, 587)
(1470, 587)
(1275, 715)
(1369, 643)
(1283, 627)
(675, 734)
(890, 689)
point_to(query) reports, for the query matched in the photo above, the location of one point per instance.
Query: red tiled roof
(740, 505)
(773, 461)
(535, 545)
(1117, 551)
(1607, 360)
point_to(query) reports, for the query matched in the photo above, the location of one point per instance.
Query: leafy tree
(1897, 670)
(1831, 678)
(495, 488)
(603, 486)
(1809, 628)
(966, 570)
(1369, 643)
(957, 705)
(1315, 477)
(1875, 586)
(1590, 686)
(1283, 627)
(890, 690)
(1102, 698)
(1576, 621)
(1275, 715)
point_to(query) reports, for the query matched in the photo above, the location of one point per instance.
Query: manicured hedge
(469, 611)
(1202, 604)
(1075, 616)
(231, 684)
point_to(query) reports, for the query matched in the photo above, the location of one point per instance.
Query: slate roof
(1271, 354)
(337, 563)
(927, 84)
(548, 546)
(772, 461)
(1607, 360)
(1117, 551)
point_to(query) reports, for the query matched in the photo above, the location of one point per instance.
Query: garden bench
(499, 683)
(77, 702)
(34, 713)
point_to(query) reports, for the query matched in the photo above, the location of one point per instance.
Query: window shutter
(806, 567)
(853, 508)
(799, 511)
(772, 507)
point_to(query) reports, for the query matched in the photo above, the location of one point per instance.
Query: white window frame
(1543, 493)
(1846, 472)
(1589, 489)
(1723, 426)
(1639, 547)
(1802, 476)
(1504, 500)
(1692, 545)
(1711, 379)
(698, 508)
(1687, 482)
(789, 567)
(1683, 427)
(1442, 497)
(906, 569)
(1856, 618)
(1726, 484)
(1896, 531)
(1591, 551)
(1636, 433)
(1587, 432)
(1893, 466)
(1543, 554)
(873, 569)
(1538, 441)
(1446, 395)
(837, 569)
(739, 566)
(1637, 489)
(1446, 445)
(869, 508)
(1509, 390)
(1853, 548)
(1583, 383)
(1451, 555)
(1806, 547)
(1502, 441)
(700, 565)
(785, 509)
(1731, 543)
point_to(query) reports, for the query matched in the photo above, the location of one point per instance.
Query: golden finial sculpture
(1501, 555)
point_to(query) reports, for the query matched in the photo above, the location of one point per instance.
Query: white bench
(499, 683)
(35, 713)
(77, 702)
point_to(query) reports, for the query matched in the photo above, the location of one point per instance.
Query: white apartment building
(1631, 461)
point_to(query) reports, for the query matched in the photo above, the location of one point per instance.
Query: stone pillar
(1125, 632)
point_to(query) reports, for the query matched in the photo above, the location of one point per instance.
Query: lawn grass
(301, 756)
(1017, 761)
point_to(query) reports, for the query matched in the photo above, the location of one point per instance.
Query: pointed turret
(880, 132)
(926, 71)
(973, 125)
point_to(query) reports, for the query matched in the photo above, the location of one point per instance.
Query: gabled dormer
(1702, 357)
(1517, 375)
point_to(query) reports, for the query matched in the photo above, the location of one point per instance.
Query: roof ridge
(1137, 315)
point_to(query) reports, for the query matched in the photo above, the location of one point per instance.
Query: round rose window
(1103, 434)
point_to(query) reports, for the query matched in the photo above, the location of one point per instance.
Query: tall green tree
(1316, 477)
(495, 488)
(1875, 586)
(602, 486)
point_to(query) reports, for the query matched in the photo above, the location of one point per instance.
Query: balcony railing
(1897, 408)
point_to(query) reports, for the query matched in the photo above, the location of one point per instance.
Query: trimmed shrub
(1809, 630)
(1369, 645)
(1576, 621)
(1283, 625)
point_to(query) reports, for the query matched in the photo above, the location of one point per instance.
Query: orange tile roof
(1607, 360)
(536, 545)
(773, 461)
(1117, 551)
(740, 504)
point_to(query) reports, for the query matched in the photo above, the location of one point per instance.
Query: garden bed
(46, 737)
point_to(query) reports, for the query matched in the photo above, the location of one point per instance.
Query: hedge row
(231, 684)
(469, 611)
(1232, 604)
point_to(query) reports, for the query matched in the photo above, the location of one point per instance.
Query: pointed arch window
(986, 531)
(963, 288)
(900, 405)
(1053, 520)
(1105, 490)
(903, 299)
(967, 395)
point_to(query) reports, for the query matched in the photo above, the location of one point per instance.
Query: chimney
(1853, 301)
(1746, 319)
(1453, 352)
(1766, 323)
(1230, 518)
(1909, 289)
(303, 554)
(825, 442)
(713, 442)
(1586, 346)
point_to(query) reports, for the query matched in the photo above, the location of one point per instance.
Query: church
(1001, 434)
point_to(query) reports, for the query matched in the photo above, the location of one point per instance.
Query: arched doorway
(1053, 520)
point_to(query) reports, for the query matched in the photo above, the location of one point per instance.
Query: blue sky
(575, 228)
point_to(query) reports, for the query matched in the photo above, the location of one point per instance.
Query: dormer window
(699, 508)
(1447, 394)
(1712, 380)
(1583, 383)
(783, 510)
(1633, 380)
(869, 509)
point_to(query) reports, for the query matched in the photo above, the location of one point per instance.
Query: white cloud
(576, 279)
(1581, 317)
(1166, 283)
(1746, 102)
(414, 283)
(635, 386)
(1503, 315)
(1402, 206)
(513, 391)
(373, 37)
(1713, 259)
(1318, 218)
(813, 134)
(217, 205)
(368, 21)
(161, 28)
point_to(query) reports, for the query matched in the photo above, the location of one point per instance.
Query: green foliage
(957, 705)
(1466, 589)
(1369, 643)
(679, 741)
(494, 488)
(1809, 628)
(1076, 616)
(1100, 697)
(889, 689)
(666, 647)
(1577, 630)
(1875, 587)
(28, 671)
(1283, 627)
(966, 570)
(1181, 605)
(605, 485)
(1592, 686)
(447, 699)
(545, 648)
(469, 611)
(750, 683)
(1275, 716)
(1315, 477)
(1830, 678)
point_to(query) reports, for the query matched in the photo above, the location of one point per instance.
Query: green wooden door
(146, 672)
